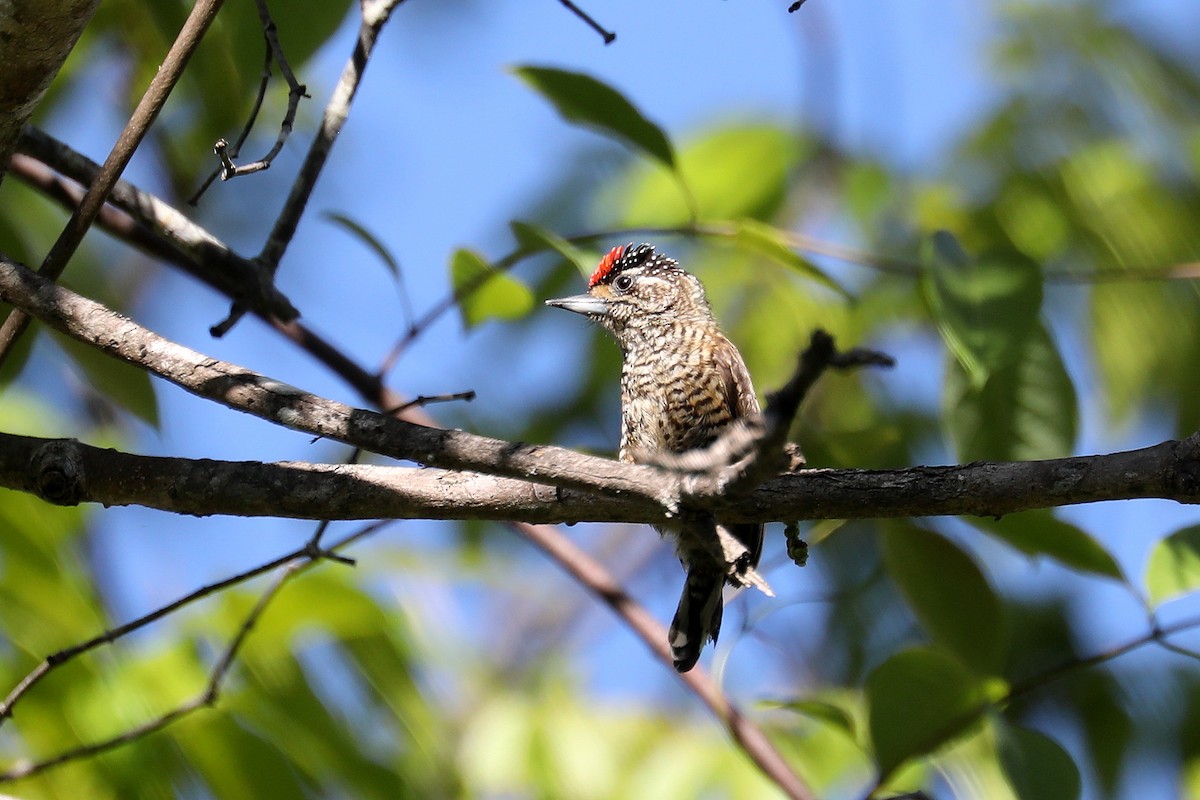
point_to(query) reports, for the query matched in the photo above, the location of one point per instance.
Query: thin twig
(609, 36)
(296, 92)
(296, 562)
(375, 16)
(599, 582)
(424, 400)
(61, 657)
(264, 81)
(139, 123)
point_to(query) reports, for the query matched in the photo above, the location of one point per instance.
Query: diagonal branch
(242, 389)
(601, 584)
(201, 16)
(162, 229)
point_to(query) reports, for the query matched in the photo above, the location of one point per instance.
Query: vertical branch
(375, 16)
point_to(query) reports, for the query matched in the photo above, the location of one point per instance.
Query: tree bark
(36, 36)
(64, 471)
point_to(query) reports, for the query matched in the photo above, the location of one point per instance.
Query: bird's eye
(623, 283)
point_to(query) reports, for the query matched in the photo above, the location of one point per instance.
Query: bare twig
(375, 15)
(296, 91)
(143, 117)
(264, 81)
(608, 36)
(294, 563)
(599, 582)
(422, 400)
(61, 657)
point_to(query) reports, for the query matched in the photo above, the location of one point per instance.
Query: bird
(682, 384)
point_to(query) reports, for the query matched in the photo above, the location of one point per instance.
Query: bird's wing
(735, 378)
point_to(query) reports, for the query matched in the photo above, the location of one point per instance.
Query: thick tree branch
(66, 472)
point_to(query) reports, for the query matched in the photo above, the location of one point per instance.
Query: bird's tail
(698, 617)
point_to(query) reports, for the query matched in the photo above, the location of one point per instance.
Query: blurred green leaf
(583, 100)
(1041, 533)
(535, 239)
(484, 293)
(369, 239)
(733, 173)
(919, 699)
(1037, 766)
(1174, 566)
(769, 241)
(1026, 410)
(948, 593)
(820, 710)
(984, 307)
(124, 384)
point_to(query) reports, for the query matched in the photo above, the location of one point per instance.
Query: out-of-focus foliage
(1039, 265)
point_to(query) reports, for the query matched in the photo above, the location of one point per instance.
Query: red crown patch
(605, 266)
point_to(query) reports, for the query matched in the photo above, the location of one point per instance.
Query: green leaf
(820, 710)
(583, 100)
(534, 238)
(919, 699)
(1174, 567)
(484, 293)
(369, 239)
(1024, 411)
(769, 241)
(124, 384)
(983, 307)
(1037, 766)
(1041, 533)
(948, 593)
(733, 173)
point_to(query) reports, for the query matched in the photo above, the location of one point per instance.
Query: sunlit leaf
(1174, 566)
(583, 100)
(1037, 767)
(484, 293)
(984, 307)
(1026, 410)
(1041, 533)
(948, 593)
(919, 699)
(733, 173)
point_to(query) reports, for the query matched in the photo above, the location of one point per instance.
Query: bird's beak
(581, 304)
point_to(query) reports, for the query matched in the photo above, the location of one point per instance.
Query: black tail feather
(698, 617)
